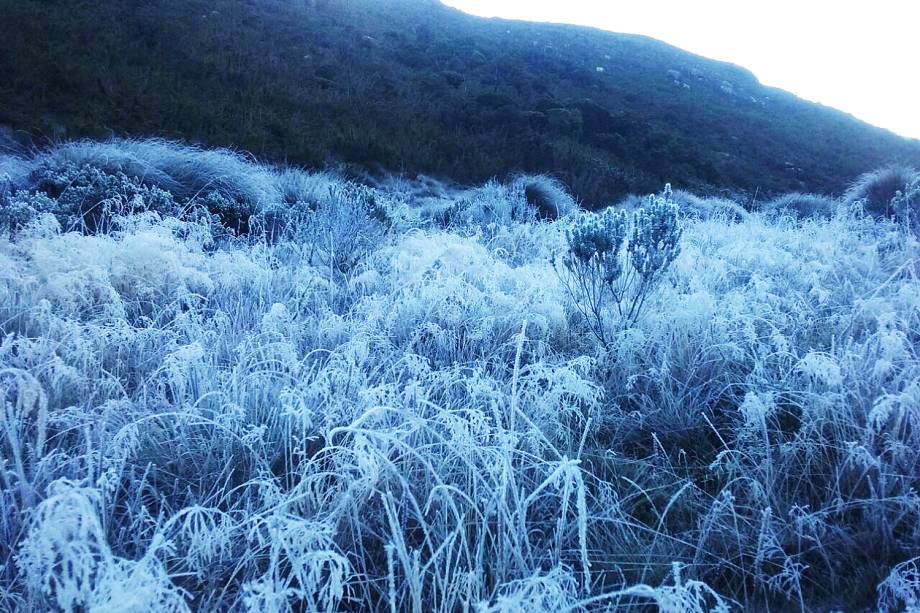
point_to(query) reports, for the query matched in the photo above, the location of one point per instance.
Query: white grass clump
(66, 556)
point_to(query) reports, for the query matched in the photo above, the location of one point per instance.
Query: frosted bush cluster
(615, 259)
(227, 386)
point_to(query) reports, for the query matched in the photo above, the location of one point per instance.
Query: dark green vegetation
(410, 85)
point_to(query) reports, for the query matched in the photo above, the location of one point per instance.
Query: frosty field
(229, 386)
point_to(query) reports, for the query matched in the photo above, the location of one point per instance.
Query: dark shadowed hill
(411, 85)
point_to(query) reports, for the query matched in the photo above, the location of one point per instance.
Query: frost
(821, 368)
(900, 591)
(66, 557)
(289, 392)
(614, 261)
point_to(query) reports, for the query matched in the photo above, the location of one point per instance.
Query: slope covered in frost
(228, 386)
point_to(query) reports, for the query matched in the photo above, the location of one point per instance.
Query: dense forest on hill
(413, 86)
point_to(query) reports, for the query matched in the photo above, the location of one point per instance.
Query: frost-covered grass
(356, 406)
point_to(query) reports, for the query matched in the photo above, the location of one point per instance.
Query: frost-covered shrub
(302, 189)
(906, 204)
(614, 261)
(692, 207)
(19, 209)
(419, 189)
(231, 214)
(724, 209)
(524, 243)
(183, 170)
(86, 198)
(489, 206)
(630, 202)
(803, 206)
(594, 264)
(347, 225)
(494, 205)
(653, 238)
(878, 188)
(695, 207)
(13, 172)
(458, 302)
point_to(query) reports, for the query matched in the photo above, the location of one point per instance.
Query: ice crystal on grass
(290, 392)
(66, 558)
(900, 591)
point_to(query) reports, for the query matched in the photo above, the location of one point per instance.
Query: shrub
(618, 258)
(525, 198)
(183, 170)
(803, 206)
(687, 201)
(878, 188)
(906, 204)
(19, 209)
(724, 209)
(13, 171)
(86, 198)
(695, 207)
(298, 188)
(630, 202)
(654, 237)
(490, 205)
(232, 214)
(172, 179)
(347, 225)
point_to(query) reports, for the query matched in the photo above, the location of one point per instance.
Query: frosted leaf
(822, 368)
(900, 591)
(757, 409)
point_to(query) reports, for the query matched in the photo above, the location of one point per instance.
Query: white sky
(862, 57)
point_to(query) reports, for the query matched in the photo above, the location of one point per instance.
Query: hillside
(417, 87)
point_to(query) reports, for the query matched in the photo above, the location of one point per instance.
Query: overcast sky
(859, 56)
